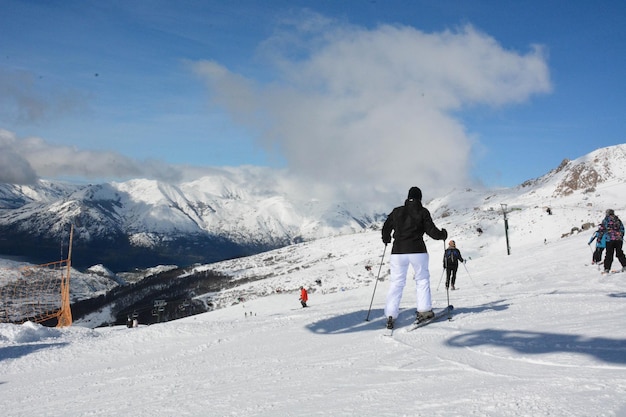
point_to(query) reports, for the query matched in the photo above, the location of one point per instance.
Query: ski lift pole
(376, 284)
(506, 229)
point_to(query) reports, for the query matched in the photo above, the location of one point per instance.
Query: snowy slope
(535, 333)
(540, 332)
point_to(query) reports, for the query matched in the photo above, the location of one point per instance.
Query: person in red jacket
(304, 296)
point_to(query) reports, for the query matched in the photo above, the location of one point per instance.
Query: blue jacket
(601, 239)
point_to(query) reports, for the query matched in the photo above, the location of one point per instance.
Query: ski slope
(537, 333)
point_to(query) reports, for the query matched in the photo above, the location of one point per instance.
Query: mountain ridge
(141, 223)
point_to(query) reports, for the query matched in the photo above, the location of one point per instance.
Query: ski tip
(450, 307)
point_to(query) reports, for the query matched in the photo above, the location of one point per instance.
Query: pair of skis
(444, 312)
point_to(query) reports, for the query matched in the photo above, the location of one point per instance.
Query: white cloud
(376, 108)
(362, 111)
(23, 160)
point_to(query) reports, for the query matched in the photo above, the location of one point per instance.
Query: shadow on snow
(618, 295)
(14, 352)
(524, 342)
(535, 343)
(356, 321)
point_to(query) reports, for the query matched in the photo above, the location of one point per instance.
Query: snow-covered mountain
(474, 218)
(142, 223)
(538, 333)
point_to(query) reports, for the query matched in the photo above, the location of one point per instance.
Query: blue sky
(384, 93)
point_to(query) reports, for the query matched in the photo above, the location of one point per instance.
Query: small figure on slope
(409, 223)
(304, 296)
(451, 258)
(600, 239)
(613, 227)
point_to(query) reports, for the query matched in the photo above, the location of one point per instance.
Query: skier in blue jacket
(600, 239)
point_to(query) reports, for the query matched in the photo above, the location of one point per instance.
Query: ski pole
(445, 265)
(440, 278)
(468, 274)
(376, 284)
(447, 289)
(449, 313)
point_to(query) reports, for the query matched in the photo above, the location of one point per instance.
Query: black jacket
(451, 258)
(409, 223)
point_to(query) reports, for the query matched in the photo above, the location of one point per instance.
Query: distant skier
(304, 297)
(451, 258)
(613, 227)
(600, 239)
(409, 223)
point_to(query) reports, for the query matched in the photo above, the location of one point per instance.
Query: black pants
(614, 246)
(451, 275)
(597, 255)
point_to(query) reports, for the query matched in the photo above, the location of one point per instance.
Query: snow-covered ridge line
(234, 213)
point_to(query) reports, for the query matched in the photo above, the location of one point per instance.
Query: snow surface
(539, 332)
(536, 333)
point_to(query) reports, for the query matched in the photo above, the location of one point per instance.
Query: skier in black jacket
(409, 223)
(451, 258)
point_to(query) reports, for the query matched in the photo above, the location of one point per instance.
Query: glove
(386, 241)
(445, 234)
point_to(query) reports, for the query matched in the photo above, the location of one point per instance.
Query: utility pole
(506, 229)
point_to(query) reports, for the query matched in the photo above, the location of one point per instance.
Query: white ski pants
(399, 268)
